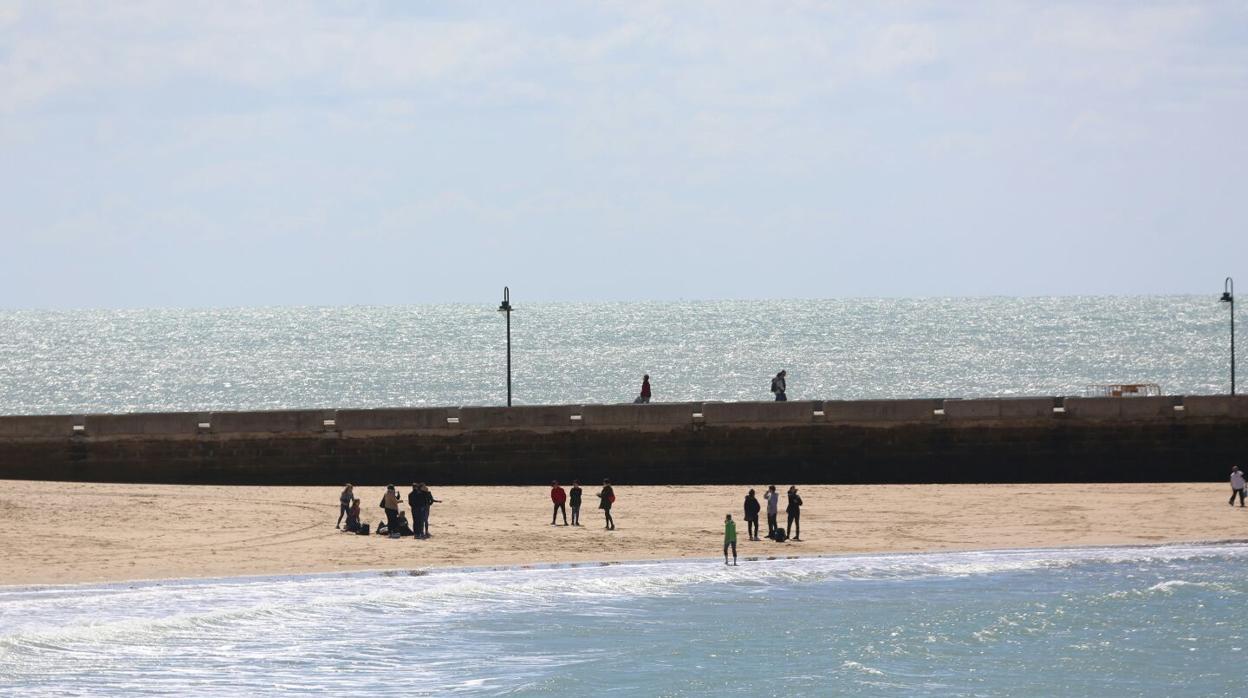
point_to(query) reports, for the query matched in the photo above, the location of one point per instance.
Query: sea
(110, 361)
(1131, 621)
(1151, 621)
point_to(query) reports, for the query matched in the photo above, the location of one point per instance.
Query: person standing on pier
(1237, 485)
(778, 386)
(795, 514)
(644, 397)
(730, 539)
(773, 509)
(574, 501)
(558, 496)
(751, 515)
(605, 499)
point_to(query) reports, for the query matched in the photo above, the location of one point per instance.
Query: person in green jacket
(730, 538)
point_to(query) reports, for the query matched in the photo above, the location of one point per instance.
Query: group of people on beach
(396, 525)
(791, 531)
(572, 498)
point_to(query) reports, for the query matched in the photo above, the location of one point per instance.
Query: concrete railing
(657, 415)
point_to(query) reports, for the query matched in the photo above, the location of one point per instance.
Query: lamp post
(505, 308)
(1228, 296)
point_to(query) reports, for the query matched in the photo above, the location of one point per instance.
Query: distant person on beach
(773, 509)
(795, 515)
(427, 502)
(344, 503)
(574, 501)
(390, 502)
(605, 499)
(414, 501)
(353, 516)
(730, 538)
(751, 515)
(644, 397)
(558, 496)
(1237, 485)
(778, 386)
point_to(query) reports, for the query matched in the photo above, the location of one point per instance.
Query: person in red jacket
(558, 496)
(644, 397)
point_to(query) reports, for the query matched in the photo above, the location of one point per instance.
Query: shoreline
(81, 533)
(389, 572)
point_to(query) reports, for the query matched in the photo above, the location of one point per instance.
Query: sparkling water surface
(271, 358)
(1155, 621)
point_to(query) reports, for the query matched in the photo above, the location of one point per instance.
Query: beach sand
(55, 533)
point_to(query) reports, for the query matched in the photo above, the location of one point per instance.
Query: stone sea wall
(1043, 439)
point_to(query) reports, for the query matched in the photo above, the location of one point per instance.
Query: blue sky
(271, 153)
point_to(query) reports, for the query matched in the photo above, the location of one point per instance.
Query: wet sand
(74, 532)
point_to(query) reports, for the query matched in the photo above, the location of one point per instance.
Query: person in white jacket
(773, 508)
(1237, 485)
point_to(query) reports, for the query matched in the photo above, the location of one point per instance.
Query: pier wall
(1043, 439)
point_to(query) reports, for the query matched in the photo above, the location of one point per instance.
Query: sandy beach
(74, 532)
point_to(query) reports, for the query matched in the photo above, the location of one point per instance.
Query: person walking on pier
(574, 501)
(344, 503)
(558, 496)
(773, 509)
(644, 397)
(1237, 485)
(605, 499)
(730, 539)
(390, 502)
(795, 514)
(751, 515)
(778, 386)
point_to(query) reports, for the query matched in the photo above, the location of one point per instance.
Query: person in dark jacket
(752, 507)
(574, 501)
(778, 386)
(795, 514)
(605, 499)
(558, 496)
(344, 503)
(427, 501)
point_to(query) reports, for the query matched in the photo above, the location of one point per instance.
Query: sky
(219, 154)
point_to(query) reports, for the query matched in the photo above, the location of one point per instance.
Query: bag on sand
(363, 530)
(779, 535)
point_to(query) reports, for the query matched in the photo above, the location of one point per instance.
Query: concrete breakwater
(1042, 439)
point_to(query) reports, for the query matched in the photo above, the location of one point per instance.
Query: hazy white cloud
(702, 130)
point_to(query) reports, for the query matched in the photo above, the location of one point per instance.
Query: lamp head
(1227, 297)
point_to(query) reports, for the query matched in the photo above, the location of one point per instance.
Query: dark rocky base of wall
(806, 454)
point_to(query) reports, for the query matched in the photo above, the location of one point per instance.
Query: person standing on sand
(1237, 486)
(428, 501)
(605, 499)
(420, 509)
(778, 386)
(795, 514)
(390, 502)
(558, 496)
(644, 397)
(344, 503)
(574, 501)
(751, 515)
(773, 509)
(730, 539)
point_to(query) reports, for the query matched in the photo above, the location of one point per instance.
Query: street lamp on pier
(1228, 296)
(505, 308)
